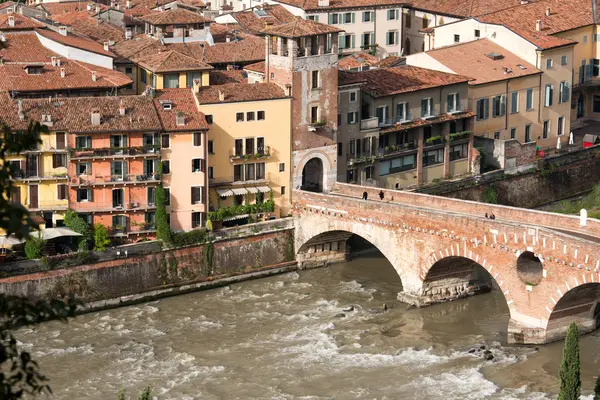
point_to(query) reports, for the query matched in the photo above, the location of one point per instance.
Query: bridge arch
(316, 170)
(580, 304)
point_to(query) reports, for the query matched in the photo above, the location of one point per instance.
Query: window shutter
(353, 17)
(396, 38)
(486, 108)
(330, 19)
(125, 170)
(124, 141)
(78, 196)
(494, 106)
(449, 103)
(567, 93)
(457, 104)
(423, 107)
(88, 140)
(90, 195)
(202, 165)
(352, 41)
(341, 41)
(397, 14)
(54, 160)
(387, 39)
(503, 105)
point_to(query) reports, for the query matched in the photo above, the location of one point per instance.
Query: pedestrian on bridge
(381, 195)
(365, 195)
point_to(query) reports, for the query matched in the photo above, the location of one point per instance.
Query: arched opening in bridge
(529, 268)
(580, 305)
(312, 175)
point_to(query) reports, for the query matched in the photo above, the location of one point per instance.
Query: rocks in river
(482, 347)
(340, 315)
(488, 355)
(481, 351)
(472, 351)
(348, 309)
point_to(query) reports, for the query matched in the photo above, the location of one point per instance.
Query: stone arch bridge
(545, 264)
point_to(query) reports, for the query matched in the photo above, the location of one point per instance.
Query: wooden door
(33, 196)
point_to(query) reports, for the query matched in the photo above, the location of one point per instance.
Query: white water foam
(465, 384)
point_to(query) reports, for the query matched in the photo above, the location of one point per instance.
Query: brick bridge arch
(415, 232)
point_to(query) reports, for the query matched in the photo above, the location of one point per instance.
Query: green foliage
(101, 240)
(591, 202)
(435, 140)
(226, 212)
(459, 135)
(196, 236)
(482, 159)
(146, 394)
(121, 395)
(78, 224)
(490, 195)
(209, 251)
(209, 225)
(34, 246)
(597, 389)
(570, 376)
(163, 230)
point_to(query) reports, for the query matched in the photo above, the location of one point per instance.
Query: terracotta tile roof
(427, 122)
(172, 17)
(21, 23)
(404, 79)
(300, 27)
(390, 61)
(245, 49)
(240, 92)
(313, 5)
(170, 61)
(356, 61)
(349, 78)
(256, 67)
(73, 114)
(137, 46)
(220, 32)
(463, 8)
(55, 9)
(225, 77)
(481, 67)
(82, 23)
(7, 4)
(24, 47)
(564, 16)
(77, 41)
(253, 23)
(182, 100)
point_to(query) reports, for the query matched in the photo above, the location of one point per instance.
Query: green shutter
(503, 105)
(396, 37)
(352, 41)
(448, 101)
(387, 39)
(353, 17)
(330, 19)
(486, 108)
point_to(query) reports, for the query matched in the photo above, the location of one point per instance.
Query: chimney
(94, 76)
(128, 4)
(548, 12)
(323, 3)
(122, 108)
(288, 89)
(89, 7)
(62, 72)
(58, 62)
(20, 106)
(11, 20)
(180, 118)
(96, 117)
(1, 60)
(221, 96)
(62, 30)
(2, 37)
(538, 25)
(227, 39)
(97, 8)
(196, 85)
(128, 34)
(106, 46)
(53, 61)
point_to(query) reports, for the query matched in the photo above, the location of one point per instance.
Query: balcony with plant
(223, 213)
(258, 155)
(131, 151)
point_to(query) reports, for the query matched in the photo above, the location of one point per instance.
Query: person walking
(365, 195)
(381, 195)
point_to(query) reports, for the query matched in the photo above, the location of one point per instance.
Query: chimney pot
(180, 119)
(96, 118)
(58, 62)
(53, 61)
(221, 96)
(106, 46)
(288, 89)
(11, 20)
(62, 72)
(94, 76)
(122, 108)
(548, 11)
(538, 25)
(62, 30)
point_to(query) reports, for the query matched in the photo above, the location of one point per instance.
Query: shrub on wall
(163, 230)
(101, 240)
(78, 224)
(196, 236)
(490, 195)
(34, 246)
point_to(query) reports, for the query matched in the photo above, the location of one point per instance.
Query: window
(150, 220)
(260, 145)
(260, 115)
(209, 119)
(196, 194)
(453, 102)
(528, 133)
(282, 165)
(339, 120)
(118, 198)
(368, 16)
(549, 63)
(407, 19)
(397, 165)
(61, 140)
(392, 38)
(477, 33)
(191, 77)
(59, 160)
(352, 97)
(333, 19)
(171, 81)
(456, 38)
(514, 102)
(118, 170)
(563, 60)
(425, 22)
(483, 109)
(346, 41)
(596, 104)
(382, 115)
(564, 92)
(166, 167)
(143, 76)
(513, 133)
(314, 114)
(118, 142)
(313, 18)
(165, 141)
(496, 135)
(426, 107)
(498, 106)
(433, 157)
(596, 67)
(260, 171)
(250, 116)
(560, 129)
(459, 151)
(198, 165)
(283, 190)
(584, 38)
(83, 142)
(129, 70)
(167, 197)
(348, 18)
(238, 173)
(392, 14)
(402, 112)
(61, 190)
(545, 129)
(529, 101)
(595, 37)
(84, 168)
(196, 219)
(210, 172)
(549, 92)
(239, 117)
(197, 139)
(151, 196)
(352, 117)
(315, 84)
(211, 147)
(250, 146)
(84, 195)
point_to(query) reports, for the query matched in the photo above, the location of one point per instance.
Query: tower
(302, 56)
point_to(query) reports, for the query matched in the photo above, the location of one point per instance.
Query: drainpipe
(506, 105)
(375, 29)
(542, 92)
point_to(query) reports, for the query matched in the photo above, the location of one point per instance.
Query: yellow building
(170, 70)
(249, 144)
(41, 183)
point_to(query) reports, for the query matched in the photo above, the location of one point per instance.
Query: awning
(53, 233)
(239, 191)
(264, 189)
(252, 190)
(241, 216)
(224, 192)
(9, 242)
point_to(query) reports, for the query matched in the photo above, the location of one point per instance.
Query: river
(288, 337)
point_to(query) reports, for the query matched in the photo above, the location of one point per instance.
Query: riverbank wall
(553, 179)
(234, 255)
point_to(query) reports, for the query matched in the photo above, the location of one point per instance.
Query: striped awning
(252, 190)
(241, 216)
(224, 192)
(239, 191)
(264, 189)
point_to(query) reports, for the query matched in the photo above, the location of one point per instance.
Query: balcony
(382, 153)
(112, 207)
(35, 176)
(430, 115)
(88, 180)
(369, 123)
(238, 154)
(115, 152)
(408, 117)
(131, 229)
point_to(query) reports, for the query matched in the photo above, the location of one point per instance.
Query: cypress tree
(163, 231)
(570, 377)
(597, 389)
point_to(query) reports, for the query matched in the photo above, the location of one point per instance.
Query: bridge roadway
(545, 264)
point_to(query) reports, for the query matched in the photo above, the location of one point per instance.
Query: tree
(101, 240)
(146, 394)
(570, 376)
(34, 246)
(78, 224)
(597, 389)
(163, 230)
